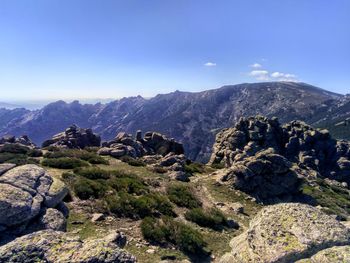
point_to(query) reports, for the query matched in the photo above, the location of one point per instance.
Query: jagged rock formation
(74, 138)
(267, 176)
(29, 201)
(286, 233)
(22, 140)
(241, 149)
(54, 246)
(192, 118)
(154, 149)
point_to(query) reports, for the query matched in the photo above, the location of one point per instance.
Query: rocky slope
(192, 118)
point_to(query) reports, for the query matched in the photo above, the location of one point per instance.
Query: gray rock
(286, 233)
(4, 167)
(55, 246)
(329, 255)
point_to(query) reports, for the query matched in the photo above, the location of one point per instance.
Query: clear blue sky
(101, 48)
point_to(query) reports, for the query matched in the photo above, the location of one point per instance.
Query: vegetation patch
(140, 207)
(182, 195)
(64, 163)
(167, 230)
(85, 188)
(85, 155)
(212, 218)
(132, 161)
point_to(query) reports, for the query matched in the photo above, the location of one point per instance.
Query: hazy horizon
(88, 49)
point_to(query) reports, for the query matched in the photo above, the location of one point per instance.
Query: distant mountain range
(193, 118)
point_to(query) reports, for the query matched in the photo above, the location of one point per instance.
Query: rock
(330, 255)
(97, 217)
(150, 251)
(286, 233)
(55, 246)
(74, 138)
(4, 167)
(26, 193)
(21, 141)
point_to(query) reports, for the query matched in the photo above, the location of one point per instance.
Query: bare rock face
(286, 233)
(267, 176)
(74, 138)
(55, 246)
(29, 194)
(296, 142)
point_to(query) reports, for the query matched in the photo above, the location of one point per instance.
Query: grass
(211, 218)
(64, 162)
(85, 155)
(85, 230)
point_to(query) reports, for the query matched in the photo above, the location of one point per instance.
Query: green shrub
(18, 159)
(64, 163)
(192, 168)
(140, 207)
(92, 173)
(35, 153)
(167, 229)
(128, 184)
(218, 165)
(85, 155)
(131, 161)
(14, 148)
(212, 218)
(183, 196)
(86, 188)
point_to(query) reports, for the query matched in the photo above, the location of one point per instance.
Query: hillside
(192, 118)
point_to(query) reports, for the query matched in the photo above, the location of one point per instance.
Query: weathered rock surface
(26, 193)
(267, 176)
(242, 149)
(286, 233)
(74, 138)
(55, 246)
(330, 255)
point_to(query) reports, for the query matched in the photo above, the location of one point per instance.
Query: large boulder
(25, 194)
(267, 176)
(286, 233)
(54, 246)
(329, 255)
(22, 140)
(74, 138)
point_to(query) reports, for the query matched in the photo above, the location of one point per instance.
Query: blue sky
(101, 49)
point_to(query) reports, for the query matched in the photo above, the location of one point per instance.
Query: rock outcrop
(329, 255)
(286, 233)
(152, 143)
(22, 140)
(311, 149)
(29, 200)
(74, 138)
(55, 246)
(154, 149)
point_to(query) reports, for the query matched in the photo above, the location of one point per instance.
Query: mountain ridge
(190, 117)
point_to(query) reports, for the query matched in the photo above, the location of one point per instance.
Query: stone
(329, 255)
(4, 167)
(97, 217)
(74, 137)
(286, 233)
(56, 193)
(56, 246)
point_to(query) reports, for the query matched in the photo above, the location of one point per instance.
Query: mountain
(193, 118)
(6, 105)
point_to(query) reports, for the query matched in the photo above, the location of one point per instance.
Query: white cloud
(260, 74)
(256, 65)
(210, 64)
(283, 76)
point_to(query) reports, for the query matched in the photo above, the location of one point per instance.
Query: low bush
(35, 153)
(183, 196)
(14, 148)
(140, 207)
(218, 165)
(86, 188)
(129, 184)
(64, 163)
(18, 159)
(132, 161)
(167, 229)
(92, 173)
(85, 155)
(192, 167)
(212, 218)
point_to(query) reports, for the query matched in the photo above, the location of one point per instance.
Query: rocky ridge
(266, 159)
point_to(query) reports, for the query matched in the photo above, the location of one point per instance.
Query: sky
(64, 49)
